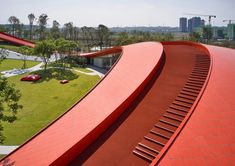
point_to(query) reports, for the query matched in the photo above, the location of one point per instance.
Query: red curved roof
(82, 124)
(16, 40)
(209, 137)
(205, 136)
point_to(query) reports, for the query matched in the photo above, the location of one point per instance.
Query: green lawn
(2, 155)
(9, 64)
(10, 47)
(45, 100)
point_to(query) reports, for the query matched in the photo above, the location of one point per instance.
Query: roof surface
(16, 40)
(209, 138)
(206, 136)
(86, 120)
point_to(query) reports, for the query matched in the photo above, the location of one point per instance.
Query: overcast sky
(117, 12)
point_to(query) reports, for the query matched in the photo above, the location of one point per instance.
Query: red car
(64, 81)
(32, 77)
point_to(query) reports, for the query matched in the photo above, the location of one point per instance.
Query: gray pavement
(16, 55)
(14, 72)
(7, 149)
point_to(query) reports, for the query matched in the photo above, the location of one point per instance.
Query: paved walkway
(14, 72)
(7, 149)
(95, 71)
(16, 55)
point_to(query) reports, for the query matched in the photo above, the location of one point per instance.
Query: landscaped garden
(63, 82)
(43, 101)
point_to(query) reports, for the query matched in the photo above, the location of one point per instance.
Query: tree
(42, 22)
(31, 18)
(103, 36)
(2, 28)
(14, 21)
(9, 98)
(65, 48)
(123, 39)
(207, 33)
(76, 33)
(194, 36)
(68, 31)
(25, 51)
(89, 36)
(55, 31)
(44, 49)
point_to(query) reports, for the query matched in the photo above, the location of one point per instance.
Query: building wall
(190, 26)
(194, 23)
(105, 61)
(231, 31)
(98, 62)
(183, 24)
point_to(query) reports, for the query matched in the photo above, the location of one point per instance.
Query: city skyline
(118, 13)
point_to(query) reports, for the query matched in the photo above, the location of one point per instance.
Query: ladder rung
(159, 134)
(163, 128)
(147, 147)
(175, 113)
(142, 156)
(154, 141)
(145, 152)
(169, 123)
(173, 118)
(178, 109)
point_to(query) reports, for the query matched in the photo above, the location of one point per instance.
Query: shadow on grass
(55, 73)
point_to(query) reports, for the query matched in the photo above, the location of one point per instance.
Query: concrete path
(7, 149)
(95, 71)
(14, 72)
(16, 55)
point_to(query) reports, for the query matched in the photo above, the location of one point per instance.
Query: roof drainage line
(58, 118)
(158, 158)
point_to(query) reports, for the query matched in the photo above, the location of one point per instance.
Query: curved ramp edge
(174, 137)
(208, 138)
(16, 40)
(83, 123)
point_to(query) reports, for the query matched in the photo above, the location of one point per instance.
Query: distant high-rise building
(183, 24)
(231, 31)
(190, 25)
(194, 23)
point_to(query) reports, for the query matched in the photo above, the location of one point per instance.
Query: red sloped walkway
(125, 134)
(69, 135)
(16, 40)
(209, 138)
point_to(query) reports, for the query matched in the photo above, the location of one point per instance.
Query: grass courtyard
(9, 64)
(45, 100)
(10, 47)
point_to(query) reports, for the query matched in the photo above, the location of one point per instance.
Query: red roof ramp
(16, 40)
(208, 137)
(70, 134)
